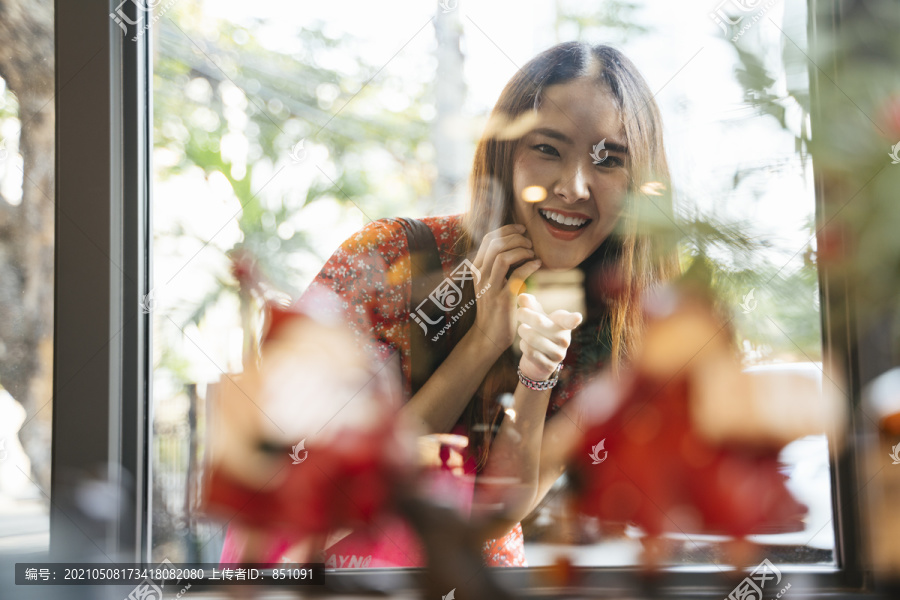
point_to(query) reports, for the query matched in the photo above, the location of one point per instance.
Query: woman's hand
(520, 448)
(500, 250)
(545, 338)
(439, 404)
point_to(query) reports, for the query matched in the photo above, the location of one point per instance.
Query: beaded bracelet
(539, 386)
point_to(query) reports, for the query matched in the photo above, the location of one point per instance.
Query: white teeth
(564, 220)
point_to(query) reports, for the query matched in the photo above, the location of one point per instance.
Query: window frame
(101, 382)
(102, 413)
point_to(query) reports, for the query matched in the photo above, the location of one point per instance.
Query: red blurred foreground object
(337, 485)
(656, 471)
(687, 442)
(307, 444)
(881, 399)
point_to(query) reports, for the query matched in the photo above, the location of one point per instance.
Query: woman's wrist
(481, 345)
(534, 372)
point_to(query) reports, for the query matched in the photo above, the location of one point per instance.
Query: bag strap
(426, 273)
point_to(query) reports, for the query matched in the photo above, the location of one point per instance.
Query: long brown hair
(636, 257)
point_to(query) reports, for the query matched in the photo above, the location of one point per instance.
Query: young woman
(572, 156)
(557, 186)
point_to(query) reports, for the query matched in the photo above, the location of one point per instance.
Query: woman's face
(585, 192)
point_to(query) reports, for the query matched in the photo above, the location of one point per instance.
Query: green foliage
(759, 92)
(780, 320)
(231, 88)
(785, 323)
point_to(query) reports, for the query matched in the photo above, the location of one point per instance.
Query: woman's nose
(573, 186)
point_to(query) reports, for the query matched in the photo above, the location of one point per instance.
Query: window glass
(281, 130)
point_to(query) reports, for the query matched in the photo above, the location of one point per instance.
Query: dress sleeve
(370, 273)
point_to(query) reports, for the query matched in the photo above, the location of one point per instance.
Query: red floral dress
(371, 273)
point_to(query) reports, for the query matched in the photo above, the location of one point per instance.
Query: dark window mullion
(100, 375)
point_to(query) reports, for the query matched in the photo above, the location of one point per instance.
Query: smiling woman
(582, 97)
(477, 381)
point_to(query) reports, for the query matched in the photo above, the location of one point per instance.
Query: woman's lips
(564, 232)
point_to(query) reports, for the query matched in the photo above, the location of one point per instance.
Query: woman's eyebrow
(558, 135)
(552, 133)
(616, 147)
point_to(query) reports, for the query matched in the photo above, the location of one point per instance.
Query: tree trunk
(448, 137)
(27, 229)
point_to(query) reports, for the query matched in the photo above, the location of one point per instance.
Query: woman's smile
(564, 225)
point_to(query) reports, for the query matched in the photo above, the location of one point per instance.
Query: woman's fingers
(500, 250)
(566, 319)
(536, 365)
(517, 278)
(529, 301)
(502, 244)
(559, 337)
(544, 338)
(504, 231)
(504, 261)
(553, 349)
(537, 320)
(493, 248)
(531, 313)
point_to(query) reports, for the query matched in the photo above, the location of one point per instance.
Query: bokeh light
(534, 193)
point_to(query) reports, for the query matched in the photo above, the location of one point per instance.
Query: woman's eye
(611, 162)
(546, 149)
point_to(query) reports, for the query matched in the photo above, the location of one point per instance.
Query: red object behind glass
(307, 444)
(332, 498)
(669, 446)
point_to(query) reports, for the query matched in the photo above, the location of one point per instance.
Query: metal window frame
(101, 374)
(102, 341)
